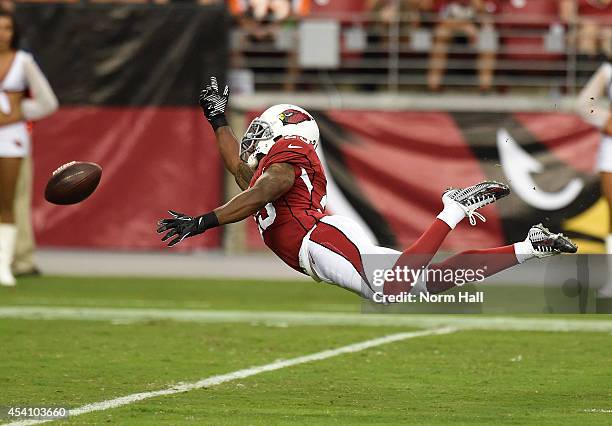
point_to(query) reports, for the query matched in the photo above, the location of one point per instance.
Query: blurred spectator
(260, 19)
(7, 5)
(272, 21)
(388, 11)
(595, 28)
(200, 2)
(119, 1)
(408, 13)
(471, 19)
(534, 29)
(593, 38)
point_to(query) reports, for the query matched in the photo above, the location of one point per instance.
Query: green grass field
(75, 341)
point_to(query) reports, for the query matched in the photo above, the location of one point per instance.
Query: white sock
(452, 214)
(420, 286)
(523, 251)
(8, 233)
(609, 243)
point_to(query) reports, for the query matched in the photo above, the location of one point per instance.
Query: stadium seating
(524, 38)
(530, 38)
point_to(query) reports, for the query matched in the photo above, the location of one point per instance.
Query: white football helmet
(274, 123)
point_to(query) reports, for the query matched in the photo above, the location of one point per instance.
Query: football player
(284, 188)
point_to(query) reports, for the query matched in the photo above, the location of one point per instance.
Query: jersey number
(270, 215)
(264, 222)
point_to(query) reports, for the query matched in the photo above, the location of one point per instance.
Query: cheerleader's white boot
(8, 233)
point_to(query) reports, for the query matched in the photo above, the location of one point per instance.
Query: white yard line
(481, 322)
(241, 374)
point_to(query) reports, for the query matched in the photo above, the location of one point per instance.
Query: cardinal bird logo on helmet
(293, 116)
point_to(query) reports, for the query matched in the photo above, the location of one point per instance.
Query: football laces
(62, 167)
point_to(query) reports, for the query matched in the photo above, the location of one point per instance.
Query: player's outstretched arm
(213, 104)
(243, 175)
(272, 184)
(228, 147)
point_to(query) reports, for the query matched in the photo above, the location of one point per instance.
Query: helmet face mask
(274, 123)
(258, 131)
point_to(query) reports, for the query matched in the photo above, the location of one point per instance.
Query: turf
(78, 362)
(433, 380)
(265, 296)
(180, 293)
(468, 377)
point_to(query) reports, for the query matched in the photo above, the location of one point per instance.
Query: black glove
(184, 226)
(214, 103)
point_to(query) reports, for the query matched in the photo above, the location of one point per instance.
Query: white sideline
(241, 374)
(481, 322)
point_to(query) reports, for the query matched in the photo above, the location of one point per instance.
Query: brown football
(73, 182)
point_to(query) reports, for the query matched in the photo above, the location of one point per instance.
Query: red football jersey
(285, 222)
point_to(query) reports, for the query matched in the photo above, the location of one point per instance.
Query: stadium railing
(531, 52)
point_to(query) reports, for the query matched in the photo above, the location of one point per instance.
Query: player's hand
(213, 103)
(181, 226)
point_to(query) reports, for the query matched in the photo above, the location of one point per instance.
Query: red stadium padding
(399, 158)
(596, 10)
(152, 159)
(553, 130)
(396, 165)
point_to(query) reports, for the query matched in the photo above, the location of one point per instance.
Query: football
(73, 182)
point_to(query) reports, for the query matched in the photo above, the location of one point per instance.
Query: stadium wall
(386, 166)
(128, 83)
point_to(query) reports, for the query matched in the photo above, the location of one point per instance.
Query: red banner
(153, 159)
(389, 169)
(385, 169)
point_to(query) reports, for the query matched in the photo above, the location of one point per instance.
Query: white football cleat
(475, 197)
(544, 243)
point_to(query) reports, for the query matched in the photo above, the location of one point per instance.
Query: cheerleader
(589, 107)
(18, 73)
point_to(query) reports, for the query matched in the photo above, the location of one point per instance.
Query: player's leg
(9, 172)
(540, 242)
(334, 252)
(587, 38)
(438, 56)
(458, 204)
